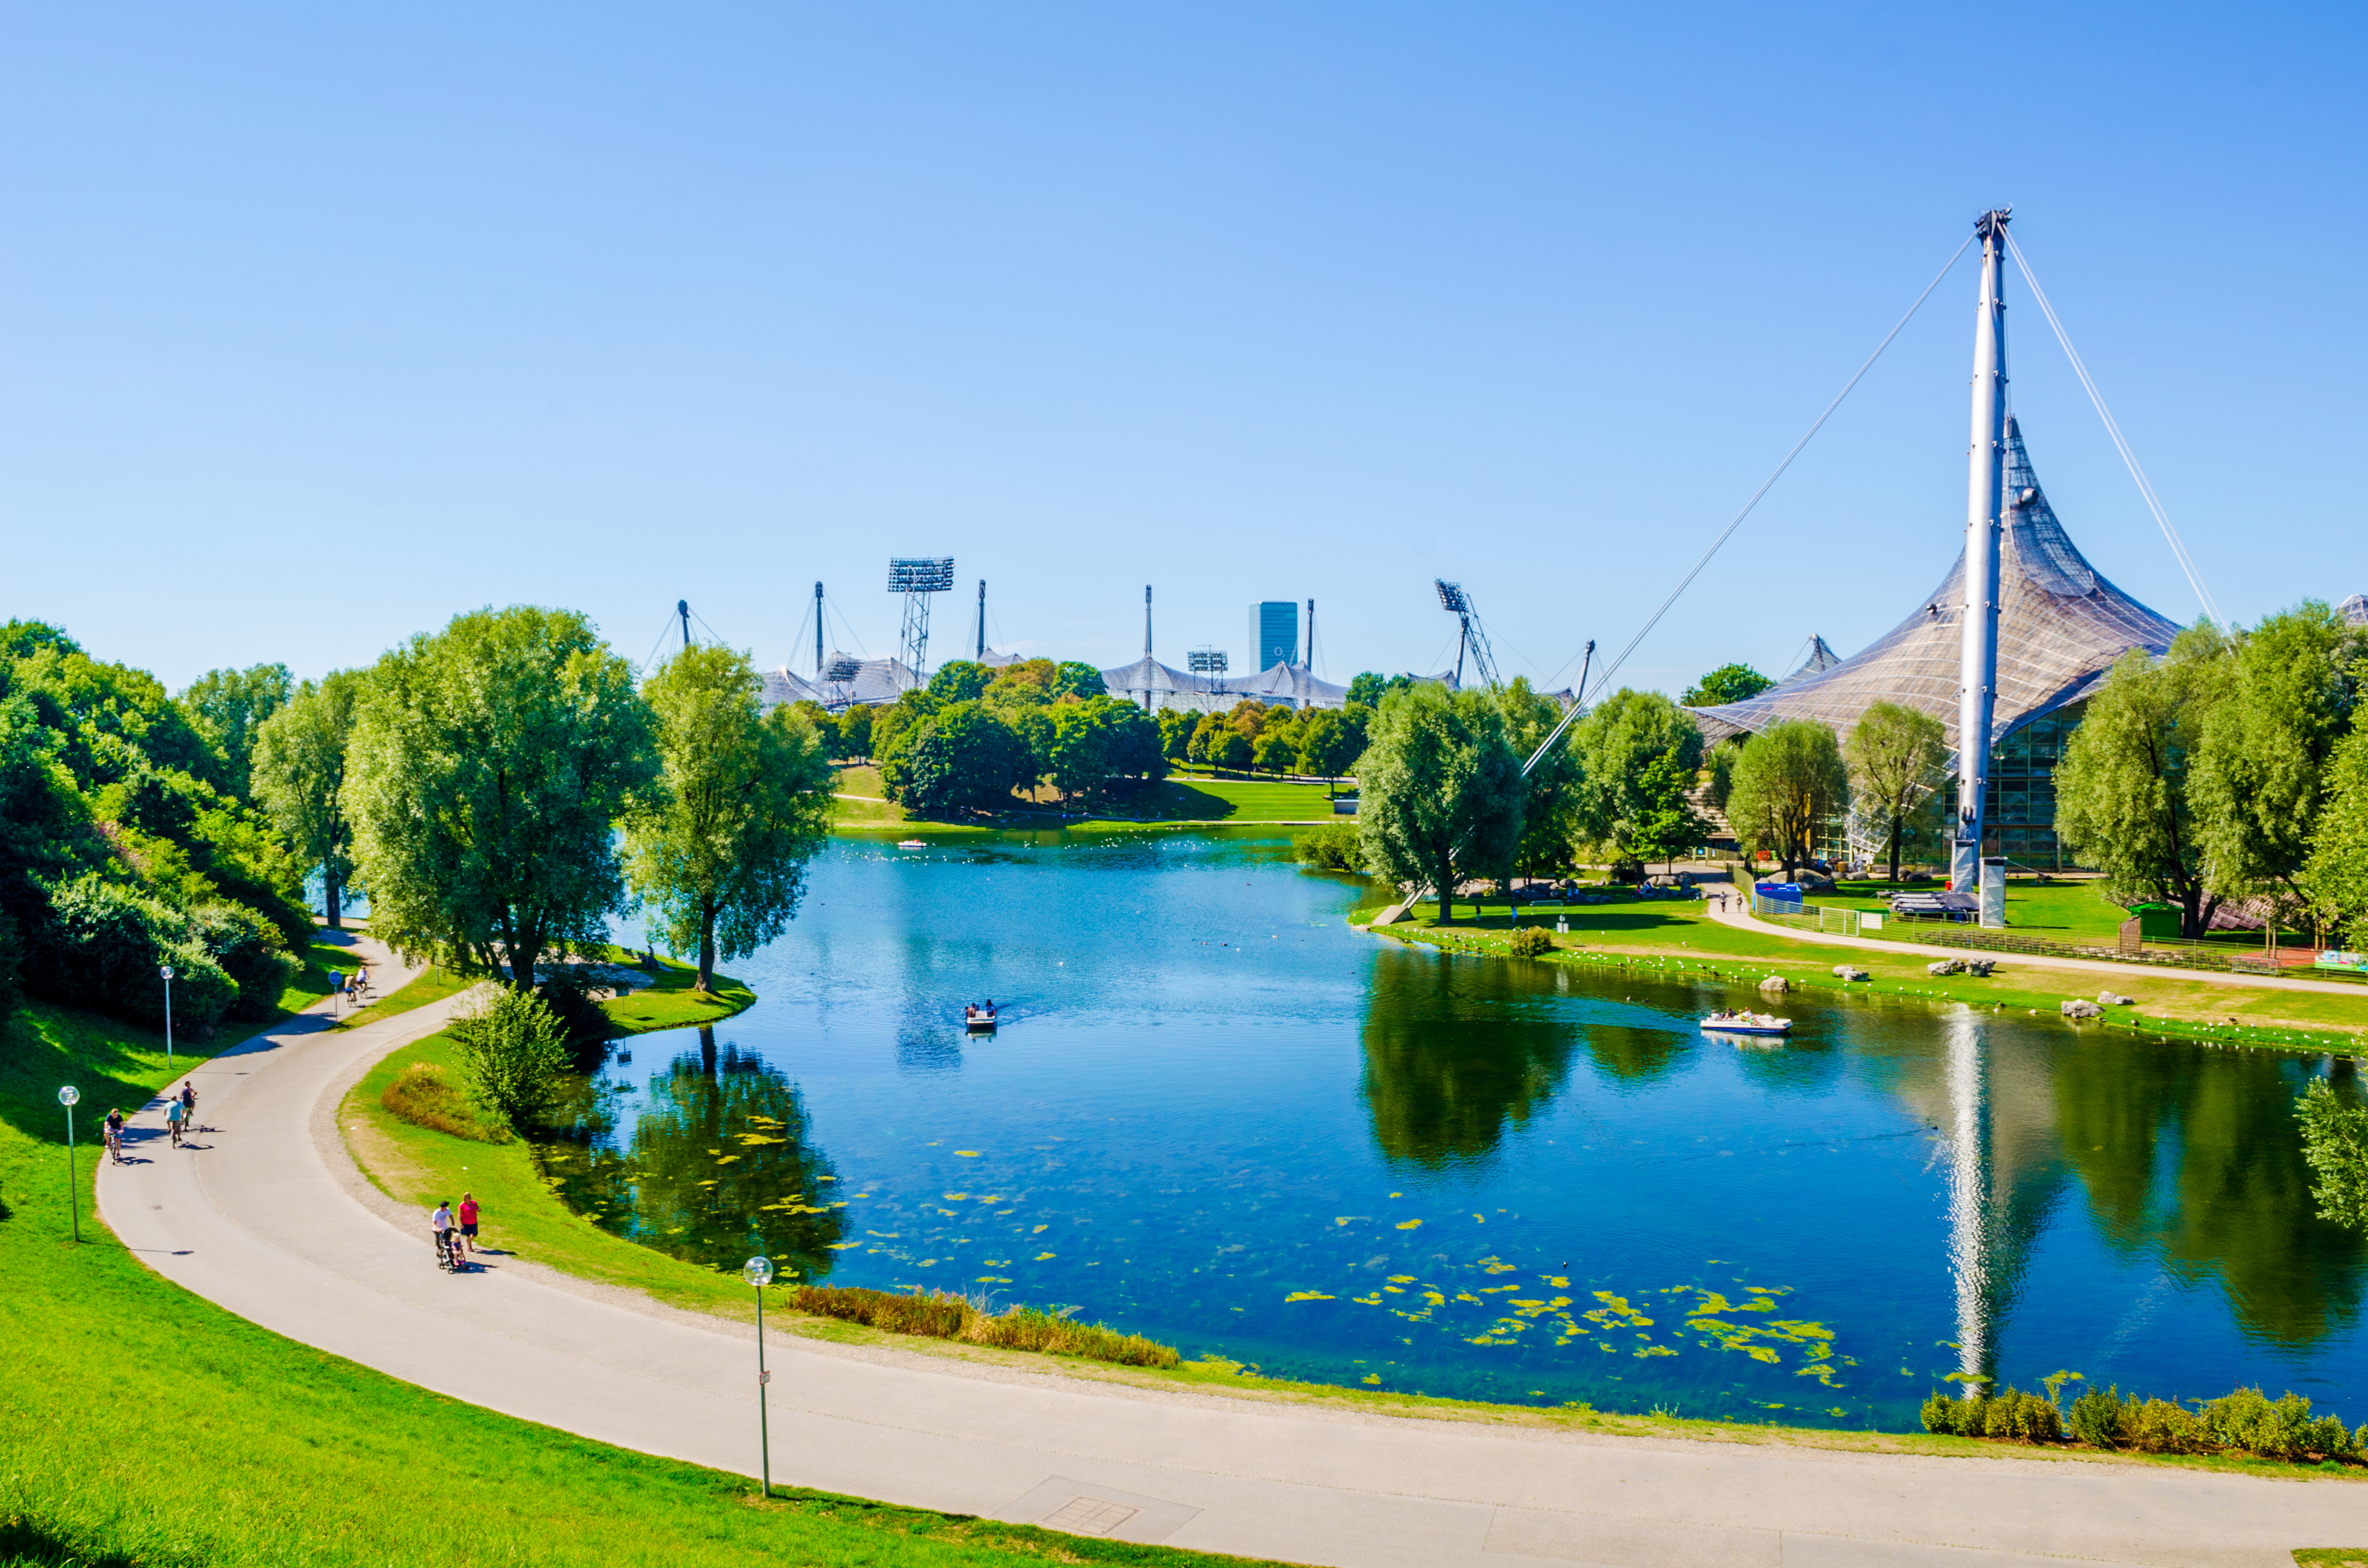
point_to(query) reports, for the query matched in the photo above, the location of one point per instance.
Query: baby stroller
(450, 1257)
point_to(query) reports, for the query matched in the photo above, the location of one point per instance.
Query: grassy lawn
(1176, 798)
(1675, 937)
(141, 1424)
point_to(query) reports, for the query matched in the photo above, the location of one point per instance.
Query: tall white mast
(1985, 485)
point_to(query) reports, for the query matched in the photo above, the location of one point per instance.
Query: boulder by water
(1945, 966)
(2081, 1008)
(1980, 966)
(1849, 971)
(1775, 982)
(2113, 999)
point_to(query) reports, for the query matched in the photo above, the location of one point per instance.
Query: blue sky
(321, 324)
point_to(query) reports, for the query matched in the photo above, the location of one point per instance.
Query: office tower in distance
(1274, 633)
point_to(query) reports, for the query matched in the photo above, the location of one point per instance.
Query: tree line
(498, 789)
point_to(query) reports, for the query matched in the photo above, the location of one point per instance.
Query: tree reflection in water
(1452, 1054)
(2194, 1157)
(718, 1166)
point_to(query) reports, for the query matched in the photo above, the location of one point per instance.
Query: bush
(2247, 1421)
(2010, 1414)
(943, 1315)
(249, 950)
(2098, 1419)
(420, 1095)
(513, 1054)
(103, 946)
(1332, 848)
(1529, 942)
(2159, 1427)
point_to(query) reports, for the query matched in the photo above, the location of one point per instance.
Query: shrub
(2098, 1419)
(1332, 848)
(2282, 1428)
(512, 1054)
(102, 945)
(420, 1095)
(2010, 1414)
(943, 1315)
(249, 950)
(2159, 1427)
(1529, 942)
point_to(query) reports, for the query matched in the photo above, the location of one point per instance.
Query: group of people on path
(357, 984)
(450, 1246)
(180, 1116)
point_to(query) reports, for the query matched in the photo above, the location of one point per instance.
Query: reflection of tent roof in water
(2061, 626)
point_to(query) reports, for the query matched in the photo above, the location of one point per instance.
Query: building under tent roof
(2354, 609)
(1294, 684)
(1147, 683)
(2061, 626)
(848, 681)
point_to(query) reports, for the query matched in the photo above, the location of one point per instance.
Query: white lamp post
(758, 1271)
(66, 1097)
(167, 972)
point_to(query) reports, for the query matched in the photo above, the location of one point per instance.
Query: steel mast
(1985, 487)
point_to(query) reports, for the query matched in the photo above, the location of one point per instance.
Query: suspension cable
(1765, 485)
(2129, 459)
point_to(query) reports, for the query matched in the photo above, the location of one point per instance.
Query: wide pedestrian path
(265, 1213)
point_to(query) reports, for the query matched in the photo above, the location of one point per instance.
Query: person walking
(469, 1221)
(441, 1224)
(174, 1116)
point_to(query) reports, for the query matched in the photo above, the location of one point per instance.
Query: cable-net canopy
(1153, 684)
(846, 681)
(2354, 609)
(2061, 626)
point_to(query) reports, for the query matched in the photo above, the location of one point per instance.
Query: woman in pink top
(469, 1221)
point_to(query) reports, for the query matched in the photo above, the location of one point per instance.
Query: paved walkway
(263, 1213)
(1738, 915)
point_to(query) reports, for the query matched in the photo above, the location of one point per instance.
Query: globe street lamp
(66, 1097)
(167, 972)
(758, 1271)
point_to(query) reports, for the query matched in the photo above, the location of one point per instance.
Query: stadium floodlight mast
(1207, 663)
(916, 577)
(758, 1271)
(1470, 639)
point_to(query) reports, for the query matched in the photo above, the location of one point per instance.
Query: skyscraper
(1274, 634)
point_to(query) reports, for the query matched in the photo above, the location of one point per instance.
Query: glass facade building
(1274, 634)
(2019, 813)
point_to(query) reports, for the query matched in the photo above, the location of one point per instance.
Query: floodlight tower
(982, 620)
(916, 577)
(1472, 639)
(1985, 487)
(817, 631)
(1207, 663)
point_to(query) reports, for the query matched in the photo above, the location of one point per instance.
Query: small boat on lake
(979, 1020)
(911, 844)
(1745, 1023)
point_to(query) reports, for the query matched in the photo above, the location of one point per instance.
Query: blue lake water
(1217, 1116)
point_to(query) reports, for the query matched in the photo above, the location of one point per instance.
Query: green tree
(1277, 747)
(2283, 695)
(1366, 689)
(2121, 791)
(1441, 791)
(962, 758)
(227, 708)
(513, 1052)
(1099, 740)
(1076, 678)
(826, 726)
(960, 680)
(1621, 799)
(1728, 683)
(1175, 726)
(1790, 785)
(2335, 877)
(855, 733)
(1027, 683)
(1330, 740)
(1898, 759)
(2335, 1142)
(720, 850)
(1552, 810)
(299, 776)
(489, 764)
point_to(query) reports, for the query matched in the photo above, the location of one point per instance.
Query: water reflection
(719, 1166)
(1453, 1053)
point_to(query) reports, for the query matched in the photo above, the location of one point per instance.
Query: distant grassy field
(1194, 799)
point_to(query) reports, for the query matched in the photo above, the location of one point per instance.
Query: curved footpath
(266, 1214)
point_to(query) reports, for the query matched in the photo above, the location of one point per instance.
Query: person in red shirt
(469, 1221)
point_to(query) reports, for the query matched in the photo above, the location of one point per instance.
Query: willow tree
(2335, 877)
(2121, 798)
(1789, 785)
(1898, 759)
(1440, 790)
(489, 765)
(719, 851)
(1636, 757)
(299, 776)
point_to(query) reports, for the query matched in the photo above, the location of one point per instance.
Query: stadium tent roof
(2354, 609)
(1295, 684)
(2061, 626)
(1821, 658)
(1168, 687)
(874, 683)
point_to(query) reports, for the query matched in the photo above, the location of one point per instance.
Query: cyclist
(174, 1114)
(189, 1102)
(115, 1135)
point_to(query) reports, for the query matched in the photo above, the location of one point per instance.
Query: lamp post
(66, 1097)
(167, 972)
(758, 1271)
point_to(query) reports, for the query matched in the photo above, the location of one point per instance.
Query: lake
(1216, 1115)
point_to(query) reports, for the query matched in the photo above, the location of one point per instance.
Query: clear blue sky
(322, 324)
